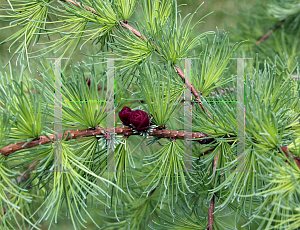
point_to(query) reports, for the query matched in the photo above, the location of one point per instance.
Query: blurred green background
(221, 18)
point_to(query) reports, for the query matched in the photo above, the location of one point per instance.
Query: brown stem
(266, 35)
(99, 131)
(26, 177)
(178, 70)
(211, 214)
(194, 91)
(78, 5)
(206, 152)
(212, 202)
(125, 25)
(296, 159)
(150, 194)
(138, 34)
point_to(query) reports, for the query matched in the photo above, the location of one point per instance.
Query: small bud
(139, 120)
(88, 80)
(124, 115)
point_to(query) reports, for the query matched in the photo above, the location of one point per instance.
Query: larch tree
(145, 133)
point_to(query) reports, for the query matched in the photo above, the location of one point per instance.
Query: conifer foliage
(140, 173)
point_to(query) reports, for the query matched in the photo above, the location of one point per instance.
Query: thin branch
(194, 91)
(26, 176)
(78, 5)
(99, 131)
(150, 194)
(178, 70)
(296, 159)
(266, 35)
(212, 202)
(206, 152)
(138, 34)
(211, 214)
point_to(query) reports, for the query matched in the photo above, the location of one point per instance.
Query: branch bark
(212, 202)
(6, 151)
(211, 214)
(194, 91)
(266, 35)
(206, 152)
(296, 159)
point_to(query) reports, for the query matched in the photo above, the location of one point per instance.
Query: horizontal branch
(73, 134)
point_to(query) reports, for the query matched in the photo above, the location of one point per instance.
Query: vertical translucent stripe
(58, 115)
(187, 117)
(110, 109)
(240, 115)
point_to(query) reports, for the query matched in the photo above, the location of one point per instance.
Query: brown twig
(206, 152)
(99, 131)
(212, 202)
(211, 214)
(124, 24)
(296, 159)
(3, 212)
(194, 91)
(26, 176)
(266, 35)
(136, 33)
(78, 5)
(150, 194)
(178, 70)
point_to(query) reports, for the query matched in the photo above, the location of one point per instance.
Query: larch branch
(73, 134)
(138, 34)
(266, 35)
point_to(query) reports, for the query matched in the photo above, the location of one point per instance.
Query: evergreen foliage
(44, 178)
